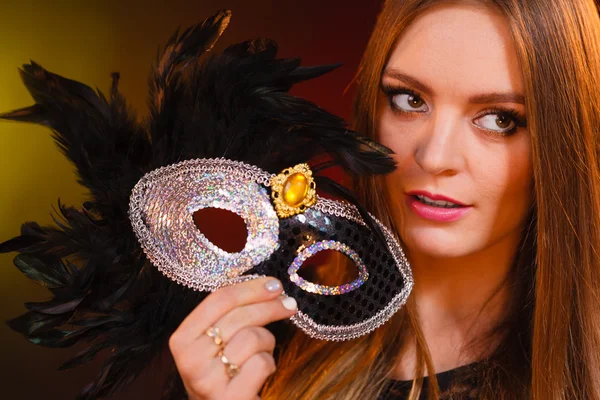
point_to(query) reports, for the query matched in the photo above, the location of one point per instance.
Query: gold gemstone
(295, 189)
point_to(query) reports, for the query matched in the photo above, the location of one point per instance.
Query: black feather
(233, 104)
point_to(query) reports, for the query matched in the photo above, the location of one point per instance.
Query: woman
(493, 107)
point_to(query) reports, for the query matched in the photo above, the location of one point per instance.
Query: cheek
(392, 133)
(385, 131)
(504, 176)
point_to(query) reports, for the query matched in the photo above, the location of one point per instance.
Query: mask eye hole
(327, 290)
(318, 268)
(223, 228)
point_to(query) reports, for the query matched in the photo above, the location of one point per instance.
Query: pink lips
(434, 213)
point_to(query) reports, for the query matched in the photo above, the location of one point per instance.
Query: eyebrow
(484, 98)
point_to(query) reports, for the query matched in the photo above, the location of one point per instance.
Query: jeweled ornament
(293, 190)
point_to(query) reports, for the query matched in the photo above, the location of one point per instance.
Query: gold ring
(215, 333)
(230, 368)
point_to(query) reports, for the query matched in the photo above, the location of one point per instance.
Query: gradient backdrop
(86, 43)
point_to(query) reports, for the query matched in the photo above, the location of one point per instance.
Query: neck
(458, 300)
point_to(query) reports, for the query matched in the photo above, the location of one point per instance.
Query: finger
(196, 364)
(222, 301)
(210, 384)
(258, 314)
(209, 375)
(198, 361)
(252, 376)
(247, 342)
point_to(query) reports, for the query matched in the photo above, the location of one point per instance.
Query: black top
(399, 390)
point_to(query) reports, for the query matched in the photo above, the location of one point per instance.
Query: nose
(439, 150)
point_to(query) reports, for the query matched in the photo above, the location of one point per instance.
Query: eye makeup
(391, 91)
(519, 120)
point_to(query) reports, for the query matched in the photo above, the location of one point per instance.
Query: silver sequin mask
(162, 205)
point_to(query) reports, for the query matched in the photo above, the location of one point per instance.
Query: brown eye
(503, 122)
(409, 102)
(497, 122)
(415, 102)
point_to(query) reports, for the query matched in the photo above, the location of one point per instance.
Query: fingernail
(289, 303)
(273, 285)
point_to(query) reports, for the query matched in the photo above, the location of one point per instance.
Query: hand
(240, 312)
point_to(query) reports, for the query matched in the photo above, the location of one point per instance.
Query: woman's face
(452, 110)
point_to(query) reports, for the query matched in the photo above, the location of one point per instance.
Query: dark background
(87, 42)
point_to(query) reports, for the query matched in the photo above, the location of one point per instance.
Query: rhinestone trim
(161, 211)
(323, 289)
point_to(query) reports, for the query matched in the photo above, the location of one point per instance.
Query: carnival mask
(284, 230)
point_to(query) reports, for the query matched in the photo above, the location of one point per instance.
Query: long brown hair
(551, 338)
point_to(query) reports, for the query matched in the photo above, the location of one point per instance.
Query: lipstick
(433, 213)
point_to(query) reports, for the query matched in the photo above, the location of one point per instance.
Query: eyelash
(518, 119)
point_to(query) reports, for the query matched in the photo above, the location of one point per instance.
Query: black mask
(161, 211)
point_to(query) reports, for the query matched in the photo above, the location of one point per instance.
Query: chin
(438, 244)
